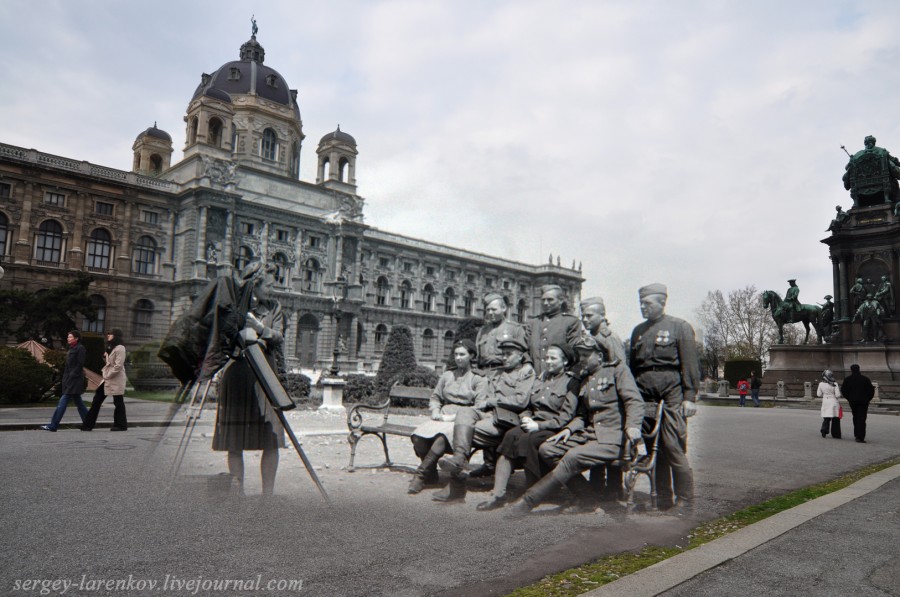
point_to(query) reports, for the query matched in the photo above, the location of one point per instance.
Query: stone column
(845, 290)
(228, 250)
(836, 283)
(23, 249)
(877, 397)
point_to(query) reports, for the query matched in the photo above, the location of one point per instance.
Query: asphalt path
(97, 507)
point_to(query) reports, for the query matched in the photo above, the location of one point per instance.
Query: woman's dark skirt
(521, 448)
(239, 424)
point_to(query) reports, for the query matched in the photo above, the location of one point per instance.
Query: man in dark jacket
(72, 381)
(858, 390)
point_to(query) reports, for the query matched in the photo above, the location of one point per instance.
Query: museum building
(153, 237)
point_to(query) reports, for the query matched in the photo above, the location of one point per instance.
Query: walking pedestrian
(830, 392)
(755, 384)
(72, 381)
(859, 391)
(113, 384)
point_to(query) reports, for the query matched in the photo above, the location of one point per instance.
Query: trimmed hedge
(738, 369)
(22, 378)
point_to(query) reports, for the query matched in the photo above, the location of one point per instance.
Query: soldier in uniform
(554, 326)
(666, 367)
(857, 294)
(607, 480)
(497, 327)
(885, 296)
(610, 409)
(476, 425)
(869, 315)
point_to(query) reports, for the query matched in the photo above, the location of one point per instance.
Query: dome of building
(155, 132)
(338, 135)
(247, 76)
(218, 94)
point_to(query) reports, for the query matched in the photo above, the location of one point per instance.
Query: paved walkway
(840, 544)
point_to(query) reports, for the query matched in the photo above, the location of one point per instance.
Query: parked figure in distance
(830, 392)
(859, 391)
(72, 381)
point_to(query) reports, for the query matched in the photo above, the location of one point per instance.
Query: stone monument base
(795, 365)
(333, 395)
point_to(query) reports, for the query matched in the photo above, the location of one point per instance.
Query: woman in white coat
(113, 384)
(829, 391)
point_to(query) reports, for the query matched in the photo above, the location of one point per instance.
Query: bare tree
(737, 325)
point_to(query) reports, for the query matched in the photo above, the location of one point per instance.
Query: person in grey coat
(72, 382)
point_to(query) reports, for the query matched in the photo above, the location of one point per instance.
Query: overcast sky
(691, 143)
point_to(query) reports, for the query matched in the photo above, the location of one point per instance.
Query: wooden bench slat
(389, 428)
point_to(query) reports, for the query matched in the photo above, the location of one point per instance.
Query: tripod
(247, 347)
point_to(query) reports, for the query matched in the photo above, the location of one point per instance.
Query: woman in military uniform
(551, 405)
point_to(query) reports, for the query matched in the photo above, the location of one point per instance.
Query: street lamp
(338, 294)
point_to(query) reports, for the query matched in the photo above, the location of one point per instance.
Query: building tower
(337, 162)
(152, 152)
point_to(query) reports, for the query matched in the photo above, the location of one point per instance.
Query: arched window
(143, 319)
(156, 164)
(144, 257)
(469, 304)
(428, 298)
(99, 249)
(381, 333)
(521, 311)
(4, 233)
(326, 169)
(269, 147)
(295, 159)
(382, 291)
(98, 323)
(282, 272)
(48, 247)
(307, 339)
(312, 275)
(449, 302)
(243, 258)
(449, 337)
(343, 167)
(405, 294)
(192, 134)
(214, 137)
(428, 343)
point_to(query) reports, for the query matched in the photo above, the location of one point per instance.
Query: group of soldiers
(611, 388)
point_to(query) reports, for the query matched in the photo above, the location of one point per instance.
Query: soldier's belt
(659, 368)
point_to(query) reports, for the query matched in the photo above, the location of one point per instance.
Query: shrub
(738, 369)
(398, 360)
(22, 378)
(420, 377)
(360, 388)
(296, 385)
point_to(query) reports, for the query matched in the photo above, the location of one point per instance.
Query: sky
(692, 143)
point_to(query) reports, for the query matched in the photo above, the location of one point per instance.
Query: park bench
(382, 426)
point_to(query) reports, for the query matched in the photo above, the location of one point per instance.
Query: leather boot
(454, 492)
(490, 464)
(424, 474)
(538, 492)
(462, 445)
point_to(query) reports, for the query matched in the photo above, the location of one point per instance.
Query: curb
(670, 573)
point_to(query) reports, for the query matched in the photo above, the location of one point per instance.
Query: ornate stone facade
(155, 236)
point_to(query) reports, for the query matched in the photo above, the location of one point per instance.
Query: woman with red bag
(830, 392)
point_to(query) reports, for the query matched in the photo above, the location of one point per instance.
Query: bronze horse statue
(809, 314)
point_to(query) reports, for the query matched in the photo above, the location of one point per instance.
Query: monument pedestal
(796, 365)
(333, 395)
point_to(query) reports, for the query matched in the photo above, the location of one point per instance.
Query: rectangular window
(315, 241)
(284, 236)
(429, 271)
(407, 266)
(247, 228)
(489, 282)
(103, 209)
(383, 262)
(470, 279)
(451, 275)
(150, 217)
(57, 199)
(505, 284)
(5, 190)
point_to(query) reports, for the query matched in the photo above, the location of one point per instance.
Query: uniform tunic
(508, 388)
(562, 328)
(666, 367)
(611, 342)
(489, 338)
(244, 420)
(453, 390)
(552, 405)
(609, 402)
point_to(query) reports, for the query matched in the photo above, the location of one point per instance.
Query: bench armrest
(355, 417)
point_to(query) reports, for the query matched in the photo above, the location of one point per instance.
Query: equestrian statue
(792, 311)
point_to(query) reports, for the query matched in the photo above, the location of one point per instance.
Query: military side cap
(653, 289)
(551, 288)
(594, 300)
(512, 343)
(491, 297)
